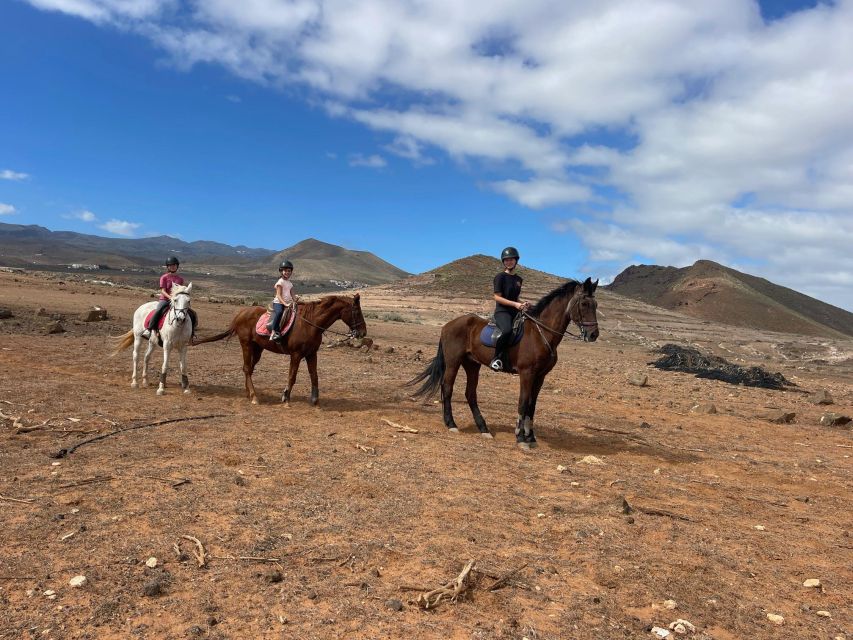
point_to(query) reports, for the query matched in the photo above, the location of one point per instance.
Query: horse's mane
(565, 289)
(179, 288)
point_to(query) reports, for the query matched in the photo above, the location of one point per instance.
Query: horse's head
(354, 319)
(181, 301)
(582, 310)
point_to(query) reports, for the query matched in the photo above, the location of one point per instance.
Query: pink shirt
(167, 281)
(286, 291)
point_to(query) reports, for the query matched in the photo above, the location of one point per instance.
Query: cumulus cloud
(372, 161)
(6, 209)
(698, 129)
(8, 174)
(84, 215)
(120, 227)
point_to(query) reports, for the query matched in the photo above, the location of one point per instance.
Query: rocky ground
(653, 497)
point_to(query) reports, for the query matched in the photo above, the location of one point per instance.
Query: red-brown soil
(352, 509)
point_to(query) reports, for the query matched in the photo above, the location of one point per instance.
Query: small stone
(5, 314)
(704, 407)
(834, 420)
(812, 583)
(822, 397)
(590, 460)
(682, 626)
(152, 588)
(775, 618)
(561, 468)
(575, 484)
(195, 630)
(151, 562)
(638, 379)
(389, 349)
(54, 328)
(273, 576)
(78, 581)
(759, 527)
(394, 604)
(660, 632)
(240, 481)
(95, 314)
(41, 312)
(50, 593)
(311, 595)
(780, 417)
(823, 614)
(670, 604)
(645, 425)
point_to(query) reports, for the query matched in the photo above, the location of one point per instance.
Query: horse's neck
(326, 313)
(556, 317)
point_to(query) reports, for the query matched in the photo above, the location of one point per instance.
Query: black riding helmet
(509, 252)
(285, 264)
(172, 260)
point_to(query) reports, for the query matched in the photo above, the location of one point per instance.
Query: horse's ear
(189, 287)
(357, 297)
(594, 286)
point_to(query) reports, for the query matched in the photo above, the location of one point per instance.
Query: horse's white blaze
(176, 334)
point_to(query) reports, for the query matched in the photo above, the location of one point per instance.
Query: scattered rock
(78, 581)
(681, 627)
(660, 632)
(775, 618)
(760, 527)
(822, 397)
(834, 420)
(418, 356)
(311, 595)
(394, 604)
(389, 349)
(5, 314)
(54, 327)
(670, 604)
(812, 583)
(561, 468)
(590, 460)
(823, 614)
(95, 314)
(151, 562)
(704, 407)
(50, 594)
(273, 576)
(638, 379)
(645, 425)
(42, 313)
(240, 481)
(781, 417)
(152, 588)
(195, 630)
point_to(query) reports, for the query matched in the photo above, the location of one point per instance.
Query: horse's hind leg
(529, 437)
(137, 341)
(185, 380)
(167, 349)
(450, 371)
(251, 355)
(524, 427)
(146, 359)
(472, 374)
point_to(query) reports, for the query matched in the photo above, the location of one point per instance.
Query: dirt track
(352, 509)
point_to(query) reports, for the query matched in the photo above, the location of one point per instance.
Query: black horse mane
(565, 289)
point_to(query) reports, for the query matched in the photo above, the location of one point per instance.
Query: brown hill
(315, 260)
(710, 291)
(472, 277)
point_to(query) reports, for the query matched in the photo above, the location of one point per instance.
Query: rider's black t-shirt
(507, 285)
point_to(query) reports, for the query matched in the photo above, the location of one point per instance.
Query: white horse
(176, 333)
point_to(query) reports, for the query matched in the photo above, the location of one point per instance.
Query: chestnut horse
(302, 341)
(532, 358)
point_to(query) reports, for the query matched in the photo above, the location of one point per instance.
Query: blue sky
(424, 133)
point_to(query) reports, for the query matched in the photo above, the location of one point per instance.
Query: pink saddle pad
(148, 320)
(261, 326)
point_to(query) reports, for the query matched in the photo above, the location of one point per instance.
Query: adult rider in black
(507, 305)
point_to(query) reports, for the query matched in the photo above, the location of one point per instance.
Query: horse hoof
(488, 435)
(186, 390)
(255, 401)
(160, 392)
(145, 384)
(453, 430)
(134, 385)
(532, 445)
(524, 446)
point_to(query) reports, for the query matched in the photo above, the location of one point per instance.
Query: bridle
(585, 327)
(178, 315)
(350, 334)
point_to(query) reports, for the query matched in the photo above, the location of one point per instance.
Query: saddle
(264, 326)
(147, 323)
(490, 333)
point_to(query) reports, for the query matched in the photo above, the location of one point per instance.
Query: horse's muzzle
(589, 335)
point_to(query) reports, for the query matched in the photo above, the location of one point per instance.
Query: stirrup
(497, 365)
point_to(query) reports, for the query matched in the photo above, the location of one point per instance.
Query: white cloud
(8, 174)
(120, 227)
(84, 215)
(234, 99)
(6, 209)
(373, 161)
(700, 130)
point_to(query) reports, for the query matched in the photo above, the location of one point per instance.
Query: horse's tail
(124, 341)
(431, 377)
(219, 336)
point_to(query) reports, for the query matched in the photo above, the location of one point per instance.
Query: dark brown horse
(302, 341)
(532, 358)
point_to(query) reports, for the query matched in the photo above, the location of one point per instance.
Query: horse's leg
(295, 359)
(531, 410)
(167, 348)
(450, 371)
(185, 380)
(251, 355)
(137, 342)
(522, 427)
(472, 375)
(315, 384)
(146, 359)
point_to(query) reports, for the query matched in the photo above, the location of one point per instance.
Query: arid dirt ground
(731, 513)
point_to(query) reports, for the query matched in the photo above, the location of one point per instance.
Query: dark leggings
(504, 321)
(277, 312)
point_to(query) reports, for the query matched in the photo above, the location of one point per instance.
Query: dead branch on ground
(399, 427)
(199, 553)
(11, 499)
(63, 453)
(450, 591)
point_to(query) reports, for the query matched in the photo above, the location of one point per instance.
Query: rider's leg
(501, 359)
(194, 320)
(275, 322)
(153, 324)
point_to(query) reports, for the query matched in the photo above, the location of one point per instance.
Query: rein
(351, 333)
(173, 315)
